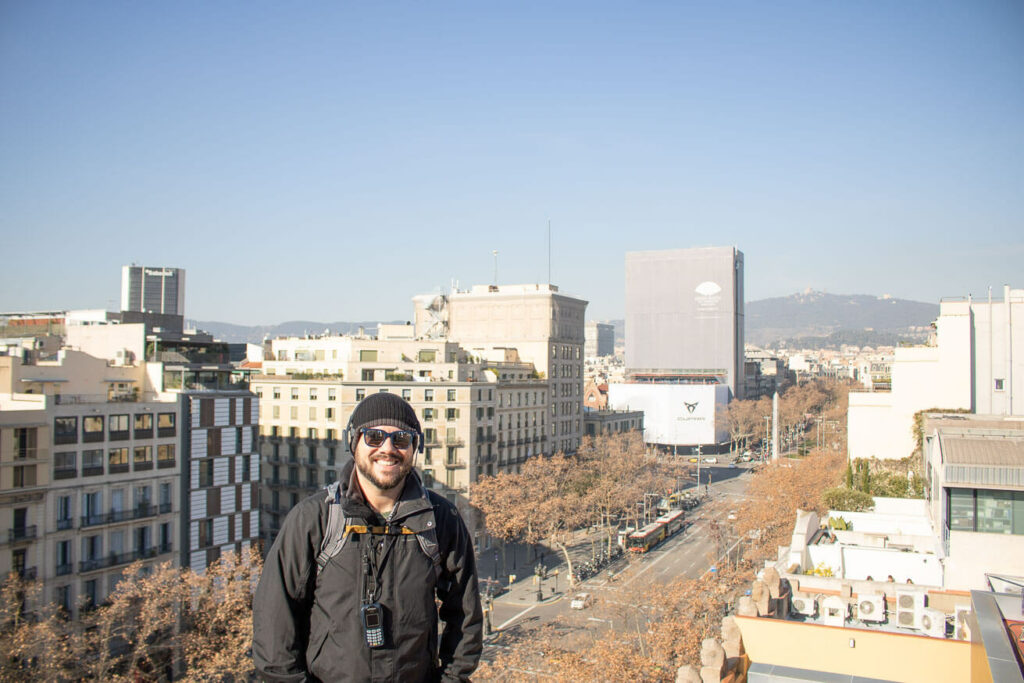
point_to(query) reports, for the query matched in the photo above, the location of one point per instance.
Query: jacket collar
(412, 502)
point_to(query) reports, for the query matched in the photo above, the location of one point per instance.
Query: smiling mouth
(387, 462)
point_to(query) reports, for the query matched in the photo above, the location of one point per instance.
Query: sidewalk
(520, 561)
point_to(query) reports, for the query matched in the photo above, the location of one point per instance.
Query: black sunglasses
(375, 438)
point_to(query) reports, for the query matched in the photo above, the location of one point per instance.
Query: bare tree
(545, 501)
(159, 618)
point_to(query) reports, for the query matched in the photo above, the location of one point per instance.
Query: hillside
(864, 318)
(811, 319)
(821, 320)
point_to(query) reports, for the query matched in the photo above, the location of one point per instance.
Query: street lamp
(698, 468)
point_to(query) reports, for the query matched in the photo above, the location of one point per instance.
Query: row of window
(522, 398)
(312, 480)
(65, 429)
(97, 555)
(311, 453)
(567, 351)
(65, 464)
(311, 433)
(294, 413)
(313, 393)
(92, 501)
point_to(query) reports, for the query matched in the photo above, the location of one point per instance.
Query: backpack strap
(339, 528)
(334, 532)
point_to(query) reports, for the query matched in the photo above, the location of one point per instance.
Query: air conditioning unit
(834, 611)
(806, 605)
(961, 625)
(871, 607)
(909, 605)
(933, 622)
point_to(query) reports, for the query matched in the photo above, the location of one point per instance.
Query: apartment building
(478, 417)
(543, 326)
(90, 470)
(599, 339)
(148, 289)
(102, 464)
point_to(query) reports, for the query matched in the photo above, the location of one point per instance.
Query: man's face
(385, 466)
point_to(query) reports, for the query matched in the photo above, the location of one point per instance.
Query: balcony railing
(28, 573)
(29, 452)
(65, 472)
(65, 569)
(21, 533)
(116, 559)
(63, 524)
(141, 511)
(455, 464)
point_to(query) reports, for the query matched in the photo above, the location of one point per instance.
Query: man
(358, 603)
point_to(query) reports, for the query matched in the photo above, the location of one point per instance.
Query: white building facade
(976, 365)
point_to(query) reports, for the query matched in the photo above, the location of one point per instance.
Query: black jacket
(309, 628)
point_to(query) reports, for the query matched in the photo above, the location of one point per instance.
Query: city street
(688, 554)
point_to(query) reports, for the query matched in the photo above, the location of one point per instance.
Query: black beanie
(382, 408)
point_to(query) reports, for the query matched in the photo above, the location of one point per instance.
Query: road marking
(528, 609)
(635, 576)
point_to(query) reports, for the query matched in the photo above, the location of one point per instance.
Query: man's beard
(365, 466)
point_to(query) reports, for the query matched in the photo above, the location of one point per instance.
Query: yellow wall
(876, 654)
(979, 662)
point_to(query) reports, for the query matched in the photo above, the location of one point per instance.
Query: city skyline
(333, 163)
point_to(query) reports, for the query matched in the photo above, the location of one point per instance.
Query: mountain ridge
(825, 318)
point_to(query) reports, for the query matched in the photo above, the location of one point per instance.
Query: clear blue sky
(327, 161)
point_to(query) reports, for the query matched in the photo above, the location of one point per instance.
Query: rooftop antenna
(495, 252)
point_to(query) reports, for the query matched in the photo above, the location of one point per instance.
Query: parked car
(694, 460)
(711, 460)
(581, 601)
